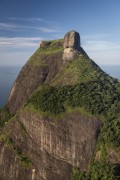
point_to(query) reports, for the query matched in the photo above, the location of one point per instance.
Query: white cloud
(6, 26)
(18, 42)
(15, 27)
(26, 19)
(103, 52)
(102, 48)
(96, 36)
(48, 30)
(12, 27)
(100, 45)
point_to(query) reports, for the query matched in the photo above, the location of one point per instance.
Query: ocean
(8, 74)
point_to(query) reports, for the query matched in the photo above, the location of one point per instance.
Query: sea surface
(8, 74)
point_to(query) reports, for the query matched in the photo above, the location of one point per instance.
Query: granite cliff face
(53, 148)
(59, 104)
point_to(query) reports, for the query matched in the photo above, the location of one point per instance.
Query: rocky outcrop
(46, 44)
(72, 40)
(72, 46)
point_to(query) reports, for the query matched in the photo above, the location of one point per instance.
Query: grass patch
(22, 127)
(5, 116)
(80, 70)
(2, 138)
(23, 159)
(42, 53)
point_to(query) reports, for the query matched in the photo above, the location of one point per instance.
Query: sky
(24, 23)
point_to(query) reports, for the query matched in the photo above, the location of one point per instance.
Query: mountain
(62, 118)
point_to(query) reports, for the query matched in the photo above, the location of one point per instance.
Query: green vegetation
(97, 171)
(23, 159)
(5, 116)
(2, 137)
(80, 70)
(100, 97)
(96, 97)
(51, 48)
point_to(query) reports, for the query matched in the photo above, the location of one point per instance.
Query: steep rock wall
(55, 147)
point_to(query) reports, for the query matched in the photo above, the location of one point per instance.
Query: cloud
(101, 42)
(103, 52)
(15, 27)
(6, 26)
(18, 42)
(96, 36)
(32, 19)
(26, 19)
(48, 30)
(102, 48)
(100, 45)
(11, 27)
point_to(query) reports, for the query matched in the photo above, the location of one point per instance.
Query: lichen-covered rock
(72, 40)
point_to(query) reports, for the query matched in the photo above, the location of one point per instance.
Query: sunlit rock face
(72, 40)
(71, 45)
(54, 148)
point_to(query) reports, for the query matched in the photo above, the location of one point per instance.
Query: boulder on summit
(72, 40)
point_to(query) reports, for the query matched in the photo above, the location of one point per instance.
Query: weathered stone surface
(72, 46)
(72, 40)
(69, 54)
(46, 44)
(54, 147)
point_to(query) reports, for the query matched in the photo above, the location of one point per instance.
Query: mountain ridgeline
(62, 118)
